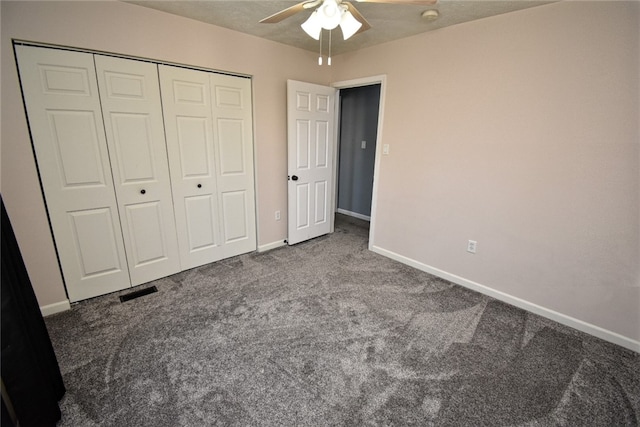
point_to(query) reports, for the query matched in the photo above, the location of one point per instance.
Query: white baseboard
(48, 310)
(353, 214)
(269, 246)
(580, 325)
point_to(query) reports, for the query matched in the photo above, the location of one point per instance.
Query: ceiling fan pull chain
(329, 57)
(320, 56)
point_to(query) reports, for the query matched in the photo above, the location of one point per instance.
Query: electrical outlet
(363, 145)
(385, 149)
(277, 215)
(472, 246)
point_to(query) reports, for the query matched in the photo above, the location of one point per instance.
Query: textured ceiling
(389, 21)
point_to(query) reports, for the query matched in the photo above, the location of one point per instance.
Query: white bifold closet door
(126, 205)
(208, 124)
(63, 105)
(132, 112)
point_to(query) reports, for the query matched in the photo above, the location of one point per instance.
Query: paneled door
(210, 146)
(186, 103)
(310, 132)
(132, 112)
(233, 142)
(63, 106)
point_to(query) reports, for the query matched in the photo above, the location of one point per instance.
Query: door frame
(347, 84)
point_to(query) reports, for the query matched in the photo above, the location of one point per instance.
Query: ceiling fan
(331, 13)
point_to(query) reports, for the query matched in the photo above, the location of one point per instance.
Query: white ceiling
(389, 21)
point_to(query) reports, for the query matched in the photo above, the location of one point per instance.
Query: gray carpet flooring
(326, 333)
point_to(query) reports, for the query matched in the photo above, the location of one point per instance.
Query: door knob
(143, 191)
(199, 185)
(294, 177)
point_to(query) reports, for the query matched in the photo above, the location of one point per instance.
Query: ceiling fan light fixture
(313, 25)
(330, 14)
(349, 25)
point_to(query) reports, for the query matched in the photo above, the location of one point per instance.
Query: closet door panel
(130, 97)
(74, 135)
(233, 136)
(89, 226)
(193, 138)
(146, 233)
(200, 211)
(186, 104)
(234, 211)
(63, 107)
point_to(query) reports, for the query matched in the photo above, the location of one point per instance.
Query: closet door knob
(295, 178)
(199, 185)
(143, 191)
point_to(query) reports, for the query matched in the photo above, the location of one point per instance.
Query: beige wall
(520, 132)
(133, 30)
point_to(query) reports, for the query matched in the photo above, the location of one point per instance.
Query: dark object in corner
(138, 294)
(30, 371)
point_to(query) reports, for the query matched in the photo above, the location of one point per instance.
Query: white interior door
(63, 106)
(186, 102)
(233, 141)
(132, 112)
(208, 122)
(310, 122)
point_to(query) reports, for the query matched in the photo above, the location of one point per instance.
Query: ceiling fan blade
(358, 16)
(285, 13)
(416, 2)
